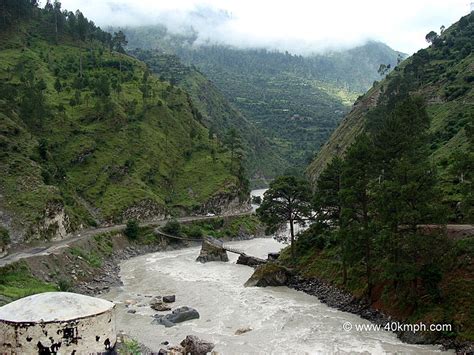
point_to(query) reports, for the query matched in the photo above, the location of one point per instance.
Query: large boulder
(269, 274)
(178, 315)
(249, 260)
(212, 250)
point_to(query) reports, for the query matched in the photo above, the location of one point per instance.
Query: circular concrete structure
(57, 323)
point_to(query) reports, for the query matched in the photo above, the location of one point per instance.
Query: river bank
(90, 265)
(342, 300)
(291, 322)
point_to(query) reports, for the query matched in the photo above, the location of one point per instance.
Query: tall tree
(119, 41)
(288, 200)
(328, 206)
(233, 141)
(406, 193)
(357, 204)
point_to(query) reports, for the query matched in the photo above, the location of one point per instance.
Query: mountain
(442, 75)
(261, 160)
(89, 136)
(295, 101)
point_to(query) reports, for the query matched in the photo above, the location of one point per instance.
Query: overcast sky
(294, 25)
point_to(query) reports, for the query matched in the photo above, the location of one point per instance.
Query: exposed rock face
(144, 210)
(212, 250)
(226, 203)
(178, 315)
(55, 224)
(270, 274)
(250, 260)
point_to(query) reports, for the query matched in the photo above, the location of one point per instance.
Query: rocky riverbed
(339, 299)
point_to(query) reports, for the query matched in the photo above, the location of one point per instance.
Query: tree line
(56, 22)
(371, 205)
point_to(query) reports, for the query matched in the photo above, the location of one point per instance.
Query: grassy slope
(295, 102)
(449, 114)
(218, 114)
(103, 161)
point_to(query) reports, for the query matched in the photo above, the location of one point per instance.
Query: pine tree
(358, 205)
(288, 200)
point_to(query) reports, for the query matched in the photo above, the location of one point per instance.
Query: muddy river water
(283, 321)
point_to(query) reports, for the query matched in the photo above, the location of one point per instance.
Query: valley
(236, 177)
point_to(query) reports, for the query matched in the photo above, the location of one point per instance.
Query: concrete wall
(93, 334)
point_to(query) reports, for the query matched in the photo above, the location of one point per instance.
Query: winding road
(454, 231)
(51, 247)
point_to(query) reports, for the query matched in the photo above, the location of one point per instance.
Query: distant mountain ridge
(295, 101)
(443, 76)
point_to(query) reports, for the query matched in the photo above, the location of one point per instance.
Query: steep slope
(295, 101)
(89, 136)
(218, 114)
(443, 75)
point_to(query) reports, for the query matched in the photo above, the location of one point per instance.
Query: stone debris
(191, 345)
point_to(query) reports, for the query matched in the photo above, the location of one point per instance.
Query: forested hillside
(443, 76)
(295, 101)
(394, 174)
(260, 158)
(89, 135)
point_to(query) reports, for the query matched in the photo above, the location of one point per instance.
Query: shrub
(195, 232)
(172, 227)
(4, 236)
(64, 285)
(132, 229)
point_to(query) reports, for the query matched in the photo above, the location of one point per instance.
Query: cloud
(298, 25)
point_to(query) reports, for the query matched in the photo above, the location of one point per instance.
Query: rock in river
(193, 345)
(159, 305)
(177, 316)
(270, 274)
(212, 250)
(169, 299)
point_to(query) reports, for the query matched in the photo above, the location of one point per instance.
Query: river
(283, 321)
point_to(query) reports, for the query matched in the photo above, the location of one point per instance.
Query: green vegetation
(442, 74)
(172, 227)
(216, 112)
(16, 282)
(91, 257)
(130, 347)
(372, 202)
(132, 229)
(223, 227)
(294, 101)
(288, 200)
(86, 129)
(4, 237)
